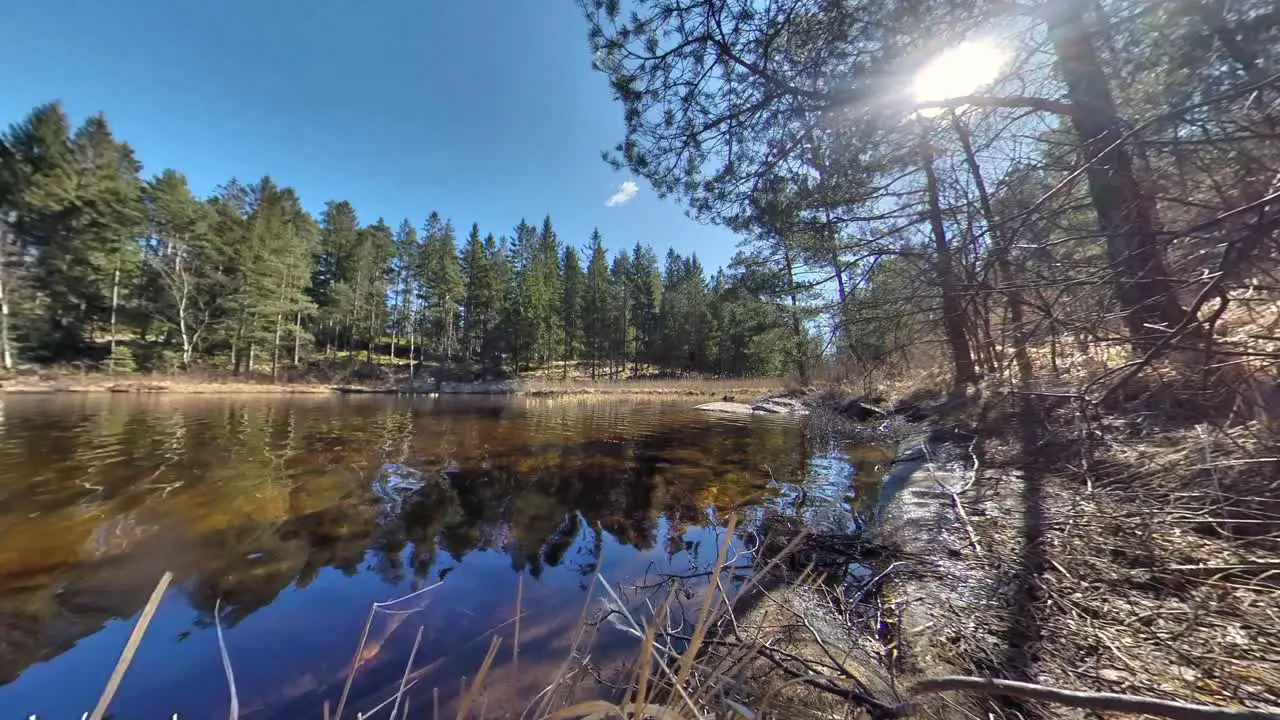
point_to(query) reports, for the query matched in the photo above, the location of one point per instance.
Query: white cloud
(624, 193)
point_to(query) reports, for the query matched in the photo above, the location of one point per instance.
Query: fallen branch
(1111, 702)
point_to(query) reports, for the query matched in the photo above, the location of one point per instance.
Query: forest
(103, 268)
(990, 190)
(1062, 216)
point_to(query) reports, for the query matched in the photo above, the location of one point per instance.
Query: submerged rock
(772, 406)
(729, 407)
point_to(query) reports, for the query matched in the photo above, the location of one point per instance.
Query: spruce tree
(476, 303)
(596, 302)
(529, 294)
(621, 331)
(331, 282)
(496, 297)
(442, 284)
(572, 285)
(548, 325)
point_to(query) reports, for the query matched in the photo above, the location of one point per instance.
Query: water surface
(292, 515)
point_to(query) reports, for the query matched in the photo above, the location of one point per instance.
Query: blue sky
(485, 110)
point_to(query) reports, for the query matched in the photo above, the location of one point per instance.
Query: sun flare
(959, 71)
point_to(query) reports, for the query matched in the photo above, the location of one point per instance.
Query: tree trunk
(952, 308)
(275, 347)
(297, 339)
(351, 340)
(802, 361)
(235, 346)
(413, 337)
(1000, 245)
(253, 349)
(395, 319)
(6, 353)
(1144, 290)
(183, 295)
(446, 342)
(115, 302)
(564, 361)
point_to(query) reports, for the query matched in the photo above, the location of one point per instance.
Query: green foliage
(441, 284)
(573, 282)
(158, 359)
(597, 302)
(120, 360)
(248, 280)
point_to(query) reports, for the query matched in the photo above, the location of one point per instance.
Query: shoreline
(502, 388)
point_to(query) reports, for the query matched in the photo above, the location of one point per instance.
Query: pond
(292, 515)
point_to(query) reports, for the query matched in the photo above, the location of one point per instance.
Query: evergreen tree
(646, 294)
(181, 264)
(523, 316)
(102, 255)
(373, 271)
(86, 249)
(684, 313)
(331, 283)
(403, 292)
(596, 302)
(477, 302)
(442, 284)
(571, 306)
(544, 300)
(621, 331)
(495, 294)
(37, 192)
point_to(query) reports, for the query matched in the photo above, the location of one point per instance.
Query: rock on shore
(768, 406)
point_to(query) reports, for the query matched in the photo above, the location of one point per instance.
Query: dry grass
(1165, 578)
(1135, 548)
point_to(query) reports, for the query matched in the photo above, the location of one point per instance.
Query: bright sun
(958, 71)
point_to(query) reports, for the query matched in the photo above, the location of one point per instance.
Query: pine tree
(496, 297)
(545, 303)
(621, 331)
(477, 309)
(646, 294)
(523, 310)
(684, 313)
(403, 290)
(373, 272)
(331, 282)
(442, 284)
(596, 302)
(179, 258)
(104, 256)
(37, 189)
(573, 280)
(74, 209)
(272, 269)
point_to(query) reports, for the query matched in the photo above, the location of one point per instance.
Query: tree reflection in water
(298, 511)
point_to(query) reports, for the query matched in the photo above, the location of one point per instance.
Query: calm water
(293, 515)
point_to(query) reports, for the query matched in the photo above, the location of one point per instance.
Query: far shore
(740, 388)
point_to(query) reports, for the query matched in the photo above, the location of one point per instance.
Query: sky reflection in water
(301, 512)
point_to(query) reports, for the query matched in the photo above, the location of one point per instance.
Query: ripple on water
(295, 514)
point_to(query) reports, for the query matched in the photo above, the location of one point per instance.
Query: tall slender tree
(571, 306)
